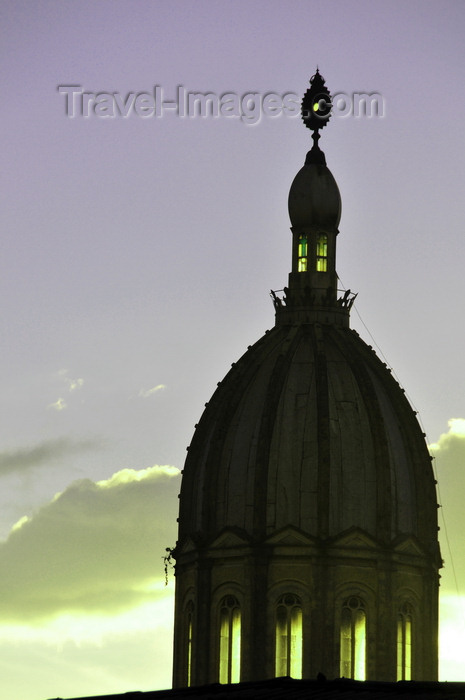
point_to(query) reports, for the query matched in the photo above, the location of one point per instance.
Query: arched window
(289, 636)
(189, 634)
(322, 252)
(353, 639)
(302, 253)
(230, 640)
(404, 642)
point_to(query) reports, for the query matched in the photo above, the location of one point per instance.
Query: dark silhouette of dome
(308, 513)
(309, 429)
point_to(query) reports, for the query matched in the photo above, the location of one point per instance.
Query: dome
(310, 430)
(307, 538)
(314, 198)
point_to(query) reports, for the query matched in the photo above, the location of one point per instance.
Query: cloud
(75, 657)
(446, 440)
(42, 453)
(58, 405)
(95, 548)
(145, 393)
(451, 616)
(449, 462)
(72, 384)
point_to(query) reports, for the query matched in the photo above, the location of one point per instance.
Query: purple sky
(137, 259)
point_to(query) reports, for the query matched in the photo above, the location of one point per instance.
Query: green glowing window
(404, 643)
(302, 254)
(230, 640)
(322, 252)
(353, 639)
(190, 623)
(289, 637)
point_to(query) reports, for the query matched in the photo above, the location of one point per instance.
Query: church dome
(314, 198)
(307, 537)
(310, 430)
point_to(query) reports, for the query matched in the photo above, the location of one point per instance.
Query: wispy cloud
(145, 393)
(58, 405)
(95, 548)
(71, 384)
(42, 453)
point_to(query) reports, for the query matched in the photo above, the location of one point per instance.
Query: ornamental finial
(316, 110)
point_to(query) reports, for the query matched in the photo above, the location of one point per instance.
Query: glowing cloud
(96, 548)
(457, 426)
(449, 462)
(126, 476)
(145, 393)
(456, 430)
(452, 611)
(58, 405)
(72, 384)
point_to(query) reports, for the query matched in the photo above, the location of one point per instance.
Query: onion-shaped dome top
(314, 198)
(310, 430)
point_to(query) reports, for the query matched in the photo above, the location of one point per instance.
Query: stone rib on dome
(309, 429)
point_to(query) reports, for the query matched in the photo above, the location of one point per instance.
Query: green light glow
(322, 253)
(404, 644)
(230, 641)
(302, 254)
(288, 660)
(353, 640)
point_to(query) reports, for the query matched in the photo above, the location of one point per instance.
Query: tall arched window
(322, 252)
(302, 253)
(289, 636)
(189, 634)
(353, 639)
(404, 642)
(230, 640)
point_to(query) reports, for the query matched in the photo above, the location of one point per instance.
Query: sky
(137, 256)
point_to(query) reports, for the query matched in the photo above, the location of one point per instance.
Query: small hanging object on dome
(316, 109)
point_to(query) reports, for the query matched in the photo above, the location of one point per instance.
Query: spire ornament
(316, 112)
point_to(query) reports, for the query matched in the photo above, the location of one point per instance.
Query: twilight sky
(137, 255)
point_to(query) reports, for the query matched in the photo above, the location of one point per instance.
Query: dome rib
(323, 431)
(414, 469)
(267, 428)
(381, 459)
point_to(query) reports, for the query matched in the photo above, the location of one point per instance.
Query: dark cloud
(42, 454)
(94, 548)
